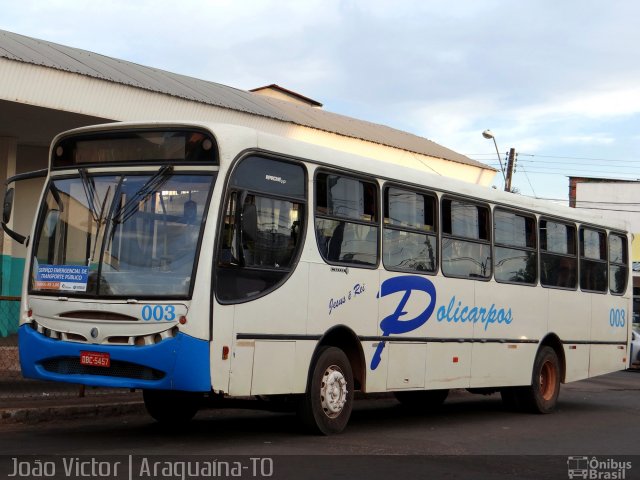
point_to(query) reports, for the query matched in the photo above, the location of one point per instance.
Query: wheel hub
(547, 381)
(333, 393)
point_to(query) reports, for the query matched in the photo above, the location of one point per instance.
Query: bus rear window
(135, 147)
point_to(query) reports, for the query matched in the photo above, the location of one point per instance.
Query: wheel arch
(342, 337)
(553, 341)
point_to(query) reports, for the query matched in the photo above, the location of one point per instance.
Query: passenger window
(558, 259)
(516, 259)
(409, 242)
(466, 243)
(261, 231)
(593, 260)
(618, 264)
(347, 220)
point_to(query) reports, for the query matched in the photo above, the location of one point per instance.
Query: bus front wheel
(542, 395)
(169, 407)
(326, 406)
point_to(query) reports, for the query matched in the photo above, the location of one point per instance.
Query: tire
(542, 395)
(422, 399)
(171, 408)
(326, 406)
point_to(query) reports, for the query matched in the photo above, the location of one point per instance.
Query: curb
(55, 412)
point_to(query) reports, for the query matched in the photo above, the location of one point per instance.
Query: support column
(10, 267)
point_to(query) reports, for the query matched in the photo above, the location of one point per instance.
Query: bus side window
(466, 245)
(619, 269)
(259, 237)
(409, 240)
(515, 259)
(558, 259)
(593, 260)
(346, 220)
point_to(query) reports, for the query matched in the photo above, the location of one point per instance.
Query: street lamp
(489, 134)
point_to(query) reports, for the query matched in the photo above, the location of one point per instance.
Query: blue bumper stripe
(183, 362)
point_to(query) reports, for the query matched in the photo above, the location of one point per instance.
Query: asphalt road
(471, 436)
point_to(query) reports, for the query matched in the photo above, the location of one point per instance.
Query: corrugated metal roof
(38, 52)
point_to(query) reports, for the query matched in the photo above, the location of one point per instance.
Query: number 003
(616, 317)
(158, 312)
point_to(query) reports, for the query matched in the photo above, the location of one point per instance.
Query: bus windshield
(120, 235)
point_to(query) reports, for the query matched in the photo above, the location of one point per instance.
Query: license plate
(95, 359)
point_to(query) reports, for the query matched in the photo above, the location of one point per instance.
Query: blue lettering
(392, 324)
(453, 312)
(617, 317)
(169, 312)
(333, 304)
(358, 289)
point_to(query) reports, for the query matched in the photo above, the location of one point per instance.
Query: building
(46, 88)
(619, 199)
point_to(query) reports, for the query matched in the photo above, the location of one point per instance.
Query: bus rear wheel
(171, 408)
(542, 395)
(327, 404)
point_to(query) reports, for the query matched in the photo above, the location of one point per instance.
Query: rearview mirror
(8, 205)
(6, 216)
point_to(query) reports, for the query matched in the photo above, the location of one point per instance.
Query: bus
(193, 260)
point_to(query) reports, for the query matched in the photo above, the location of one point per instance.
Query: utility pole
(510, 165)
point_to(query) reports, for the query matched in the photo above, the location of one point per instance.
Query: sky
(558, 81)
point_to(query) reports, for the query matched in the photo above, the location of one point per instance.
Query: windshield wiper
(124, 213)
(93, 199)
(99, 222)
(55, 193)
(90, 192)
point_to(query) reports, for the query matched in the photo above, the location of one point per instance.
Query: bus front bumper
(178, 363)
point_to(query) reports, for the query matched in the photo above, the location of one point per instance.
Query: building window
(410, 241)
(466, 244)
(516, 260)
(347, 220)
(558, 260)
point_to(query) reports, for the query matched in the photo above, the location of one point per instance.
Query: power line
(613, 163)
(594, 202)
(566, 157)
(579, 172)
(527, 177)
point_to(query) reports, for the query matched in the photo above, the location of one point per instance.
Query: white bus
(192, 260)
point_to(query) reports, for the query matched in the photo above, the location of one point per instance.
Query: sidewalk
(35, 410)
(30, 401)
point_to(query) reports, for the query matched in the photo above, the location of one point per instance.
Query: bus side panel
(222, 335)
(347, 297)
(577, 361)
(570, 320)
(506, 359)
(280, 314)
(406, 365)
(291, 375)
(448, 365)
(449, 362)
(609, 323)
(439, 346)
(273, 368)
(569, 315)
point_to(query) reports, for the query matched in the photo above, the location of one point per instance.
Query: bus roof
(233, 139)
